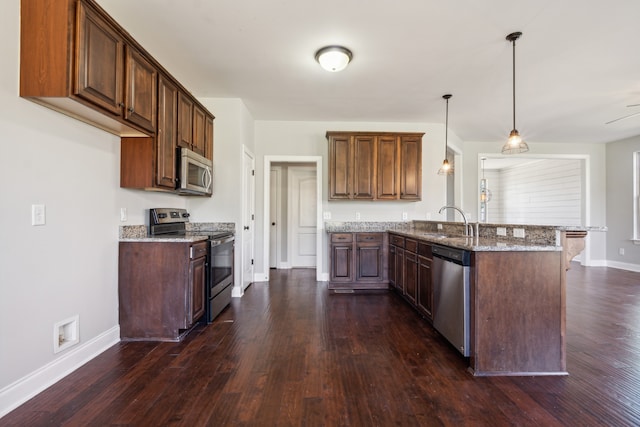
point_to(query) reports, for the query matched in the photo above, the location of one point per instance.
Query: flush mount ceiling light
(446, 168)
(514, 144)
(334, 58)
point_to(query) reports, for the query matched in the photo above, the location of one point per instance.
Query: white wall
(620, 204)
(545, 192)
(308, 139)
(70, 265)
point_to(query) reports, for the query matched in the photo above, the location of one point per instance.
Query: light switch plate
(38, 215)
(405, 216)
(123, 214)
(357, 216)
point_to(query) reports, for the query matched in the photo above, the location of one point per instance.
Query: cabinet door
(410, 275)
(141, 79)
(99, 58)
(388, 183)
(185, 121)
(341, 262)
(400, 270)
(199, 130)
(411, 167)
(369, 257)
(364, 162)
(167, 133)
(425, 289)
(208, 137)
(392, 265)
(340, 159)
(196, 290)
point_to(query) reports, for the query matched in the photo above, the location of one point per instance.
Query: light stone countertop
(537, 237)
(140, 233)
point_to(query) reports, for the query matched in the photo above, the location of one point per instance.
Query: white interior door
(274, 218)
(302, 216)
(248, 218)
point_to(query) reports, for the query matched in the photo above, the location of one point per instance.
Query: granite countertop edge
(482, 244)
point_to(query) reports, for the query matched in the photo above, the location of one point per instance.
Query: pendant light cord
(514, 82)
(446, 130)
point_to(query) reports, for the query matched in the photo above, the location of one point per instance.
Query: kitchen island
(516, 288)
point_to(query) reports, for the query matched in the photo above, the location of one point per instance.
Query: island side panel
(517, 313)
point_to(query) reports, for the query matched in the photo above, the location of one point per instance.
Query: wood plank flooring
(291, 354)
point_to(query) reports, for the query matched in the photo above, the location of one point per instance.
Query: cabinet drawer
(397, 240)
(341, 237)
(424, 249)
(198, 250)
(369, 237)
(411, 245)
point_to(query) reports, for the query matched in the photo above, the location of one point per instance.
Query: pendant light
(446, 168)
(514, 144)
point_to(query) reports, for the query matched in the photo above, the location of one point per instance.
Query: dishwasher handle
(455, 255)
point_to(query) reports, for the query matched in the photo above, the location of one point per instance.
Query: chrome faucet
(468, 229)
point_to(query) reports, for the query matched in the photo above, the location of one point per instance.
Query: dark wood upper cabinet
(167, 133)
(364, 167)
(76, 59)
(185, 121)
(199, 129)
(410, 167)
(388, 167)
(375, 165)
(141, 82)
(99, 54)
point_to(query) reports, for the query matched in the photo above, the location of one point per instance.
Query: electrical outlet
(405, 216)
(501, 231)
(38, 215)
(518, 232)
(357, 216)
(326, 215)
(439, 226)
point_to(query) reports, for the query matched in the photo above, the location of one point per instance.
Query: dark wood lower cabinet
(161, 289)
(410, 272)
(424, 299)
(358, 261)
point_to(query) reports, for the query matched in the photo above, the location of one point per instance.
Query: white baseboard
(595, 263)
(284, 266)
(624, 266)
(25, 388)
(324, 277)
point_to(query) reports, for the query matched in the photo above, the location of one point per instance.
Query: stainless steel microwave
(195, 174)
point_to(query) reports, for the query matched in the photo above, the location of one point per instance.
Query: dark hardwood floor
(291, 354)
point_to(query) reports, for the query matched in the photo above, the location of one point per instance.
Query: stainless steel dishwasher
(451, 295)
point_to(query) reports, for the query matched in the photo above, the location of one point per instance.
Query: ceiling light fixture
(514, 144)
(446, 168)
(334, 58)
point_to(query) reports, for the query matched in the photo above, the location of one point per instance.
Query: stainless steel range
(166, 222)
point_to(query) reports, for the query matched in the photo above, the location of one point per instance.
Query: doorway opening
(293, 213)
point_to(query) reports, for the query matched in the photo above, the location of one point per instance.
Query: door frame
(266, 208)
(278, 218)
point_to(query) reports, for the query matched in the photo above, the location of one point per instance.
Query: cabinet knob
(130, 109)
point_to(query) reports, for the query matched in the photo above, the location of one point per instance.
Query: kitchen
(69, 266)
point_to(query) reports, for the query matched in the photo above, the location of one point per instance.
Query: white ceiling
(577, 62)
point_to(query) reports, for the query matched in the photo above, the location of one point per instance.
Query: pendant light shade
(515, 144)
(446, 168)
(334, 58)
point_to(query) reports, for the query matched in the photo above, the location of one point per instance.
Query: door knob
(246, 227)
(273, 223)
